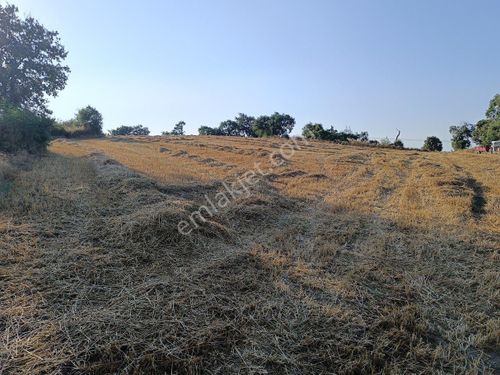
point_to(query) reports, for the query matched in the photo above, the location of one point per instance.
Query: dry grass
(343, 260)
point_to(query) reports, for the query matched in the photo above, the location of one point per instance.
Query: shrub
(399, 144)
(58, 130)
(23, 130)
(385, 141)
(432, 144)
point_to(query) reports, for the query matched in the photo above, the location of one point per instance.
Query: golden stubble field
(341, 259)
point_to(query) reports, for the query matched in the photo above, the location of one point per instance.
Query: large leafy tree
(179, 128)
(313, 131)
(488, 129)
(90, 119)
(433, 144)
(245, 124)
(493, 112)
(230, 128)
(31, 62)
(461, 135)
(278, 124)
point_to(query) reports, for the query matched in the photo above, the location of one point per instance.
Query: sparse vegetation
(178, 129)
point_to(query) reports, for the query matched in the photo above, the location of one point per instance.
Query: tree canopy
(130, 130)
(31, 62)
(316, 131)
(488, 129)
(461, 135)
(278, 124)
(23, 130)
(432, 144)
(90, 119)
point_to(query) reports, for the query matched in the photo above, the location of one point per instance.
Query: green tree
(207, 130)
(90, 119)
(313, 131)
(31, 60)
(130, 130)
(488, 129)
(278, 124)
(432, 144)
(492, 132)
(493, 112)
(229, 128)
(179, 128)
(245, 125)
(461, 135)
(398, 143)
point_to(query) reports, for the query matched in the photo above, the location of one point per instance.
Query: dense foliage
(130, 130)
(461, 135)
(488, 129)
(21, 129)
(30, 62)
(86, 123)
(316, 131)
(90, 119)
(278, 124)
(432, 144)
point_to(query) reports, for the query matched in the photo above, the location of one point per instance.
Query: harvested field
(338, 260)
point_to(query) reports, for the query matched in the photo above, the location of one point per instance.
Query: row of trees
(316, 131)
(277, 124)
(130, 130)
(142, 130)
(482, 133)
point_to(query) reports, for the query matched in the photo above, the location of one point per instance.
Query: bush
(130, 130)
(58, 130)
(398, 144)
(432, 144)
(23, 130)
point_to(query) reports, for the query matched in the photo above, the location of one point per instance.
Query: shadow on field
(102, 282)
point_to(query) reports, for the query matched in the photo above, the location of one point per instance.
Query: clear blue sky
(419, 66)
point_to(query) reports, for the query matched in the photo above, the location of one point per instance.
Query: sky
(417, 66)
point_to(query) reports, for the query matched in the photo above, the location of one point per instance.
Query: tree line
(482, 133)
(32, 70)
